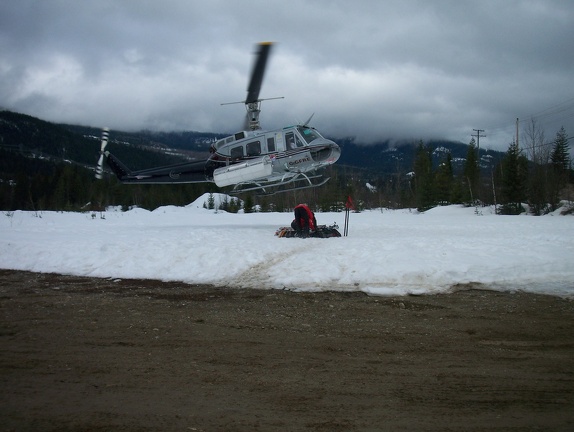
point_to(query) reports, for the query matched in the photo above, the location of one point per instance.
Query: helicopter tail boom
(188, 172)
(118, 168)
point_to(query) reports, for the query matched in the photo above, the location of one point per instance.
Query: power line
(555, 109)
(557, 113)
(546, 144)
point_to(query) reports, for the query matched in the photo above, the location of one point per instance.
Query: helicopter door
(280, 143)
(271, 144)
(290, 139)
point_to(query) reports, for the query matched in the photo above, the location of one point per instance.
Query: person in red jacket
(304, 221)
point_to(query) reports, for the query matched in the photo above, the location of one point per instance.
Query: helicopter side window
(254, 148)
(271, 144)
(290, 140)
(237, 152)
(299, 142)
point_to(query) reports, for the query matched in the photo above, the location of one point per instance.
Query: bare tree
(536, 149)
(538, 152)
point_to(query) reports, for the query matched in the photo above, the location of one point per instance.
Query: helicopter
(268, 162)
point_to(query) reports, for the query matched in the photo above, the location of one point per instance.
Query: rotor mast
(253, 110)
(252, 101)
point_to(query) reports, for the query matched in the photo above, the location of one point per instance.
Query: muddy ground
(85, 354)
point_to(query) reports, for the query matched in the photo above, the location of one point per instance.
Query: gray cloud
(369, 69)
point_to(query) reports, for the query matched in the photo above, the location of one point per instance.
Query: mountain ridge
(28, 134)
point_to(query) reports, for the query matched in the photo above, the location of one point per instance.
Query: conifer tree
(224, 205)
(248, 204)
(560, 155)
(514, 168)
(471, 172)
(423, 178)
(234, 205)
(444, 181)
(560, 159)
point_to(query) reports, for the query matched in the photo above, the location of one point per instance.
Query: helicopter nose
(325, 152)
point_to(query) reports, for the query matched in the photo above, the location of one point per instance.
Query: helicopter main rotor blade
(258, 72)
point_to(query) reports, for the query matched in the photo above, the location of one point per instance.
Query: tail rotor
(100, 165)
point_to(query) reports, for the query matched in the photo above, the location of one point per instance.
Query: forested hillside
(45, 166)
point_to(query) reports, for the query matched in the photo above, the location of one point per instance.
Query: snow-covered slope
(386, 252)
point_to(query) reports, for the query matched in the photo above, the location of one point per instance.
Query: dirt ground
(85, 354)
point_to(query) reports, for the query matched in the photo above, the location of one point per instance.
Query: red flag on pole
(349, 204)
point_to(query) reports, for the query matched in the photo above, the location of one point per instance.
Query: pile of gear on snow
(305, 225)
(322, 231)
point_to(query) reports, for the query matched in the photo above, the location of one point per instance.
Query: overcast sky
(368, 69)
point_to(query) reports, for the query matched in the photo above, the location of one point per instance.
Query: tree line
(537, 173)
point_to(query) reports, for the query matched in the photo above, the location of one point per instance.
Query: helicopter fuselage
(264, 157)
(251, 160)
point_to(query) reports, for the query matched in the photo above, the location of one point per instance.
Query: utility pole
(478, 136)
(517, 146)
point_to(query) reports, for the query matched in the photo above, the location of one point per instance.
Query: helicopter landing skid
(300, 181)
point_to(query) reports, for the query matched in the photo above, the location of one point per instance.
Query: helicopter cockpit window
(299, 142)
(237, 152)
(308, 134)
(254, 148)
